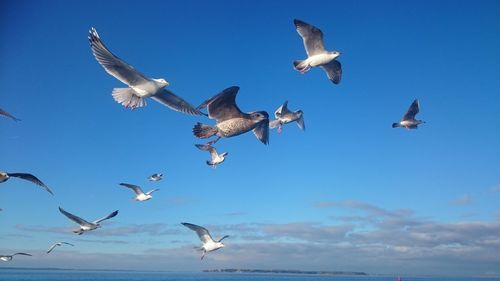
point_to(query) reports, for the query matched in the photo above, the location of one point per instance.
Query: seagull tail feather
(203, 131)
(128, 98)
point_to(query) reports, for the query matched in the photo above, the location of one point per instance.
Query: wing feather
(223, 106)
(312, 37)
(74, 218)
(174, 102)
(31, 178)
(202, 232)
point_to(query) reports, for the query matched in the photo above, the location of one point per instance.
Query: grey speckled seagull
(9, 257)
(208, 243)
(85, 225)
(140, 87)
(231, 121)
(316, 53)
(6, 114)
(408, 121)
(216, 158)
(4, 176)
(284, 116)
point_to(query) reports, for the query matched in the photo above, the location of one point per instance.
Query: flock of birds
(230, 120)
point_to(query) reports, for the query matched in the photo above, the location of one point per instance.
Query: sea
(75, 275)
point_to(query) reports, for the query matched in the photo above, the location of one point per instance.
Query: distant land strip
(284, 271)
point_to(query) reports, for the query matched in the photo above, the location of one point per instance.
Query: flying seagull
(408, 121)
(58, 244)
(216, 158)
(284, 116)
(9, 257)
(85, 225)
(4, 176)
(231, 121)
(140, 195)
(208, 244)
(156, 177)
(6, 114)
(140, 87)
(316, 53)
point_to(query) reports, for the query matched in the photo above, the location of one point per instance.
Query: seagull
(216, 158)
(284, 116)
(6, 114)
(140, 87)
(156, 177)
(140, 195)
(316, 53)
(58, 244)
(85, 225)
(4, 176)
(208, 244)
(230, 120)
(9, 257)
(408, 121)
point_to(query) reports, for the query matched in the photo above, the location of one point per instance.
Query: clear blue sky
(350, 193)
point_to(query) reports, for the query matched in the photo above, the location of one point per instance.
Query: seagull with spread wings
(284, 116)
(155, 177)
(208, 244)
(85, 225)
(140, 87)
(4, 176)
(216, 157)
(58, 244)
(317, 55)
(408, 121)
(139, 194)
(9, 257)
(231, 121)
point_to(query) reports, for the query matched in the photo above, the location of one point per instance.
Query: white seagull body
(216, 158)
(156, 177)
(85, 225)
(317, 55)
(9, 257)
(140, 87)
(208, 244)
(408, 121)
(284, 116)
(139, 194)
(4, 176)
(58, 244)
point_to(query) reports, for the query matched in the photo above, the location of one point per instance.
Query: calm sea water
(60, 275)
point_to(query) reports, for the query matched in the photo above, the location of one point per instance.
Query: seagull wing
(74, 218)
(223, 237)
(223, 106)
(24, 254)
(32, 179)
(412, 111)
(52, 247)
(6, 114)
(261, 131)
(113, 214)
(174, 102)
(151, 191)
(112, 64)
(67, 243)
(202, 232)
(281, 110)
(274, 123)
(333, 70)
(301, 124)
(135, 188)
(312, 37)
(209, 148)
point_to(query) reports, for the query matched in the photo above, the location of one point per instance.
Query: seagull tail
(203, 131)
(128, 98)
(299, 65)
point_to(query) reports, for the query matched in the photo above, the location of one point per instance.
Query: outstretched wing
(202, 232)
(113, 214)
(412, 111)
(6, 114)
(74, 218)
(209, 148)
(52, 247)
(151, 191)
(261, 131)
(174, 102)
(23, 254)
(301, 124)
(112, 64)
(333, 70)
(312, 37)
(32, 179)
(135, 188)
(223, 237)
(223, 106)
(281, 110)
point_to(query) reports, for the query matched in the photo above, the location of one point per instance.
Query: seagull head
(162, 82)
(335, 54)
(259, 116)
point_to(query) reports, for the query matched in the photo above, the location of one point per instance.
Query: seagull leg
(306, 69)
(280, 129)
(202, 256)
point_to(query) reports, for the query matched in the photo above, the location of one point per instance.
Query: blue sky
(350, 193)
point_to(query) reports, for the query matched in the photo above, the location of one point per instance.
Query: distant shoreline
(284, 271)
